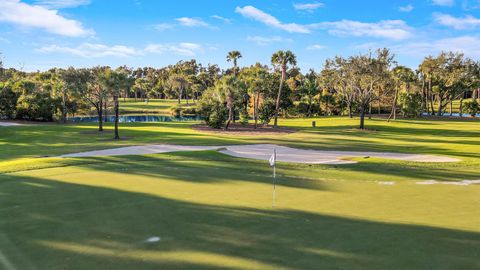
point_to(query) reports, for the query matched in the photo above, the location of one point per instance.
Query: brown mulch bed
(249, 129)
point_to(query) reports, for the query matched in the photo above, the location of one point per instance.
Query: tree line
(361, 84)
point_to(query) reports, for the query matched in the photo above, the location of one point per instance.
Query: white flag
(273, 159)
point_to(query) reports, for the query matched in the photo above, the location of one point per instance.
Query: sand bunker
(264, 151)
(459, 183)
(9, 124)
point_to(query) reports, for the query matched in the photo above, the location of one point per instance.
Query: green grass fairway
(154, 106)
(212, 211)
(215, 212)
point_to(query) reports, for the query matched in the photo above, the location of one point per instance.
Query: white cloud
(265, 18)
(25, 15)
(223, 19)
(163, 26)
(265, 41)
(59, 4)
(90, 50)
(467, 22)
(310, 7)
(407, 8)
(315, 47)
(390, 29)
(443, 2)
(469, 45)
(184, 48)
(192, 22)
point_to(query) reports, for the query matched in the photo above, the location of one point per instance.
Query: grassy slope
(213, 211)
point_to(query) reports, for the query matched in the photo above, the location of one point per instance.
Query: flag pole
(274, 176)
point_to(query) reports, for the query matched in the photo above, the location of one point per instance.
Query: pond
(135, 118)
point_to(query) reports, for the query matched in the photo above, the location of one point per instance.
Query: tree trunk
(460, 109)
(362, 116)
(230, 102)
(393, 113)
(451, 108)
(100, 115)
(432, 109)
(277, 103)
(105, 109)
(327, 109)
(431, 97)
(440, 107)
(64, 107)
(370, 111)
(350, 113)
(422, 108)
(116, 105)
(256, 109)
(230, 113)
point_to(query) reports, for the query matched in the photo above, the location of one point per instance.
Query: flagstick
(274, 176)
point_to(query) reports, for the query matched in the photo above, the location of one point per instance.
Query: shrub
(471, 107)
(266, 111)
(8, 102)
(244, 116)
(411, 104)
(179, 110)
(37, 106)
(213, 111)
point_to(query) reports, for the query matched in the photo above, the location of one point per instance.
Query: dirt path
(264, 151)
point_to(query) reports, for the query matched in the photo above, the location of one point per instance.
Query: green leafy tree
(403, 78)
(255, 78)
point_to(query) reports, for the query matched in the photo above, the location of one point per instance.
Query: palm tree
(282, 59)
(233, 56)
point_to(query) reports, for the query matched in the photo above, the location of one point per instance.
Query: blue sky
(40, 34)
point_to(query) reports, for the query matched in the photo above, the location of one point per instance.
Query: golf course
(239, 135)
(208, 210)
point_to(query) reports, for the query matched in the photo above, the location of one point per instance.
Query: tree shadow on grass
(409, 170)
(199, 167)
(58, 225)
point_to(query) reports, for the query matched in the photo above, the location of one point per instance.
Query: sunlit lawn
(153, 106)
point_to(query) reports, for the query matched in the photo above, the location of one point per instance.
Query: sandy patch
(9, 124)
(457, 183)
(263, 152)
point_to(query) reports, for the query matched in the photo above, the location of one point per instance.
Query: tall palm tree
(282, 59)
(233, 56)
